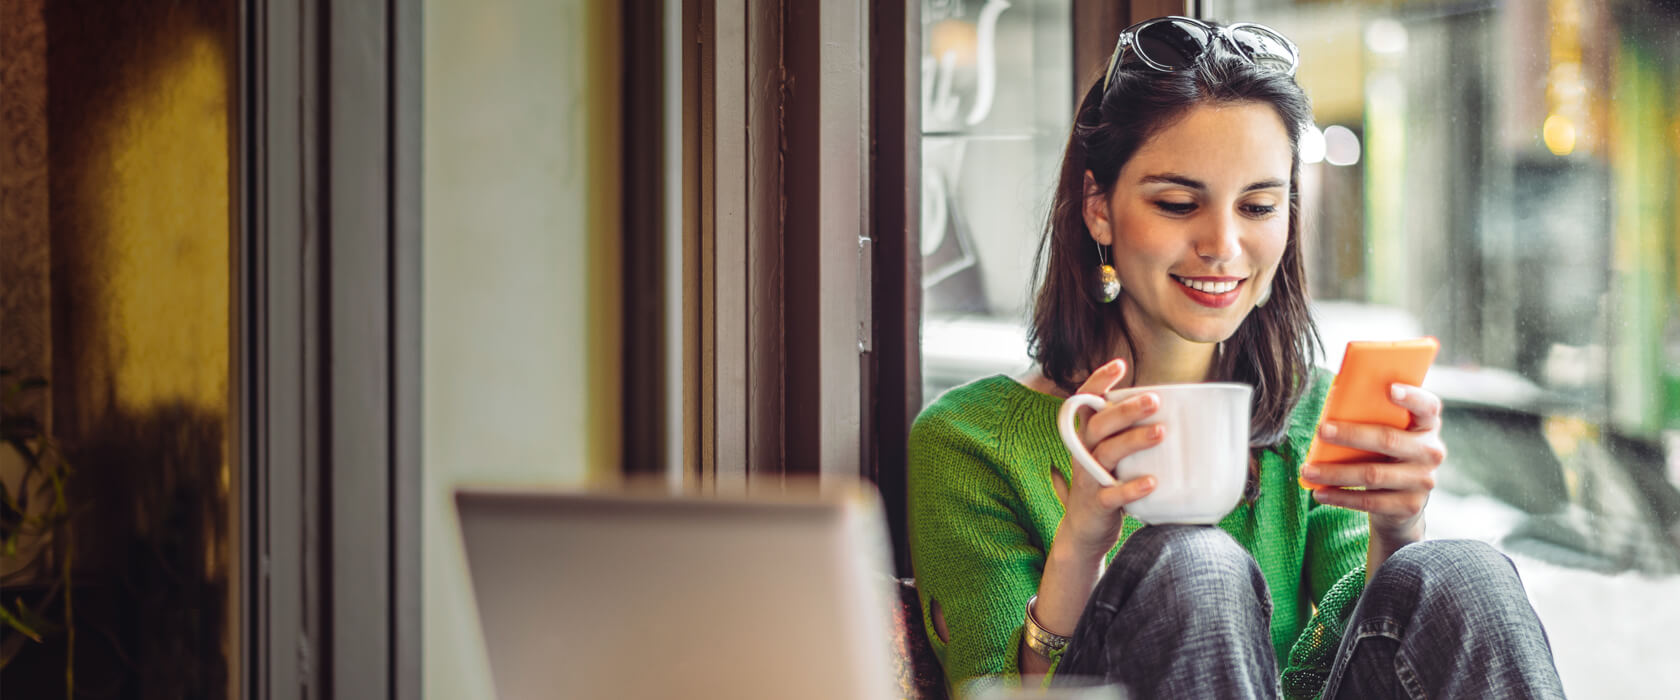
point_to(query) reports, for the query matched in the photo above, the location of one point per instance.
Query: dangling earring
(1110, 279)
(1265, 295)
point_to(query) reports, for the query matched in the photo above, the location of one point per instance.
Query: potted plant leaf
(36, 548)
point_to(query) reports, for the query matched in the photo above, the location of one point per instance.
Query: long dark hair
(1073, 331)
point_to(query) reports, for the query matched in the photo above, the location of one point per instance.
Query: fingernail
(1328, 430)
(1148, 483)
(1149, 402)
(1311, 471)
(1113, 366)
(1157, 432)
(1397, 392)
(1318, 495)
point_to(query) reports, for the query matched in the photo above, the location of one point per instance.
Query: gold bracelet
(1042, 641)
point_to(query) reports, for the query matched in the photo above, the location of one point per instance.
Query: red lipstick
(1210, 299)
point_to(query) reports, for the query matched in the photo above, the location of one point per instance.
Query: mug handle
(1064, 423)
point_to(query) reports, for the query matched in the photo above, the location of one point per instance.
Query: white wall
(520, 304)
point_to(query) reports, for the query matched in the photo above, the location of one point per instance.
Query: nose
(1218, 242)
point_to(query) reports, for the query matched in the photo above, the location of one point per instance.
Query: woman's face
(1197, 221)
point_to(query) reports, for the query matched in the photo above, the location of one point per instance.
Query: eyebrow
(1193, 183)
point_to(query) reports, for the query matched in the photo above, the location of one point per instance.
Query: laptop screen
(610, 595)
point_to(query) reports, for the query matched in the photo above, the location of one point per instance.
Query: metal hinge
(304, 664)
(865, 293)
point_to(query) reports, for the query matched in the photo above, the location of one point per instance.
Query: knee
(1194, 548)
(1462, 593)
(1449, 561)
(1191, 566)
(1451, 570)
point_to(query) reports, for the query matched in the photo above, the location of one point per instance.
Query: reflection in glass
(997, 100)
(130, 226)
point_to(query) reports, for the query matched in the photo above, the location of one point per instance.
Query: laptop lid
(613, 595)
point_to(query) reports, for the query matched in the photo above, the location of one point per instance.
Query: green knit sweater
(983, 513)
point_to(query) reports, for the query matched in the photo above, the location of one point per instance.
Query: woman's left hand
(1396, 490)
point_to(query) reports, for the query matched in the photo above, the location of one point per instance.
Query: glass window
(119, 478)
(1503, 176)
(997, 100)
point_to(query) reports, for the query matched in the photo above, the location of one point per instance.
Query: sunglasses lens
(1264, 47)
(1174, 44)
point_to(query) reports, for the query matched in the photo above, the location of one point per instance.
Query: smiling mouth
(1209, 286)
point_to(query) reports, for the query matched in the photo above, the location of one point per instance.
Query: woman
(1174, 256)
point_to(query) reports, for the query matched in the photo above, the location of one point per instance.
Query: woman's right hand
(1095, 512)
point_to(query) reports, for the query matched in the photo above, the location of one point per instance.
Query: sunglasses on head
(1176, 43)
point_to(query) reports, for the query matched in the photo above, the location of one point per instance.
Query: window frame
(326, 320)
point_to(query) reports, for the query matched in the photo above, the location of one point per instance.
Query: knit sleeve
(970, 552)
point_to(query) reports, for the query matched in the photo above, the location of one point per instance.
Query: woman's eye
(1259, 210)
(1176, 207)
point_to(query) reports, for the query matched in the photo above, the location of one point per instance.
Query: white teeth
(1208, 287)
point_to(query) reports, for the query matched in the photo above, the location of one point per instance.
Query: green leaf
(13, 622)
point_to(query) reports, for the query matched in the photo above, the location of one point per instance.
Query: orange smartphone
(1359, 393)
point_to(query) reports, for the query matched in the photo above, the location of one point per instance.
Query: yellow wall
(521, 308)
(140, 221)
(139, 112)
(166, 212)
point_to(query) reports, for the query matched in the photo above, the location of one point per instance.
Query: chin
(1208, 332)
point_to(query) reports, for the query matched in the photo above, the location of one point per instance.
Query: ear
(1096, 212)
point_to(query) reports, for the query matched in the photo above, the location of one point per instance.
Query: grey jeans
(1183, 612)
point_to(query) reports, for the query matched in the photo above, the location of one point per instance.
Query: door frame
(326, 325)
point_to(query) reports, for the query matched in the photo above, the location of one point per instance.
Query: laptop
(624, 595)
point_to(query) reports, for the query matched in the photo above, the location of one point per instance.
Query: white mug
(1201, 465)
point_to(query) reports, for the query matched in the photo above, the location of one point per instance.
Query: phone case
(1359, 393)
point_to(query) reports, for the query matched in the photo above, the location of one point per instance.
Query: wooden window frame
(894, 382)
(1097, 23)
(782, 236)
(327, 336)
(643, 217)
